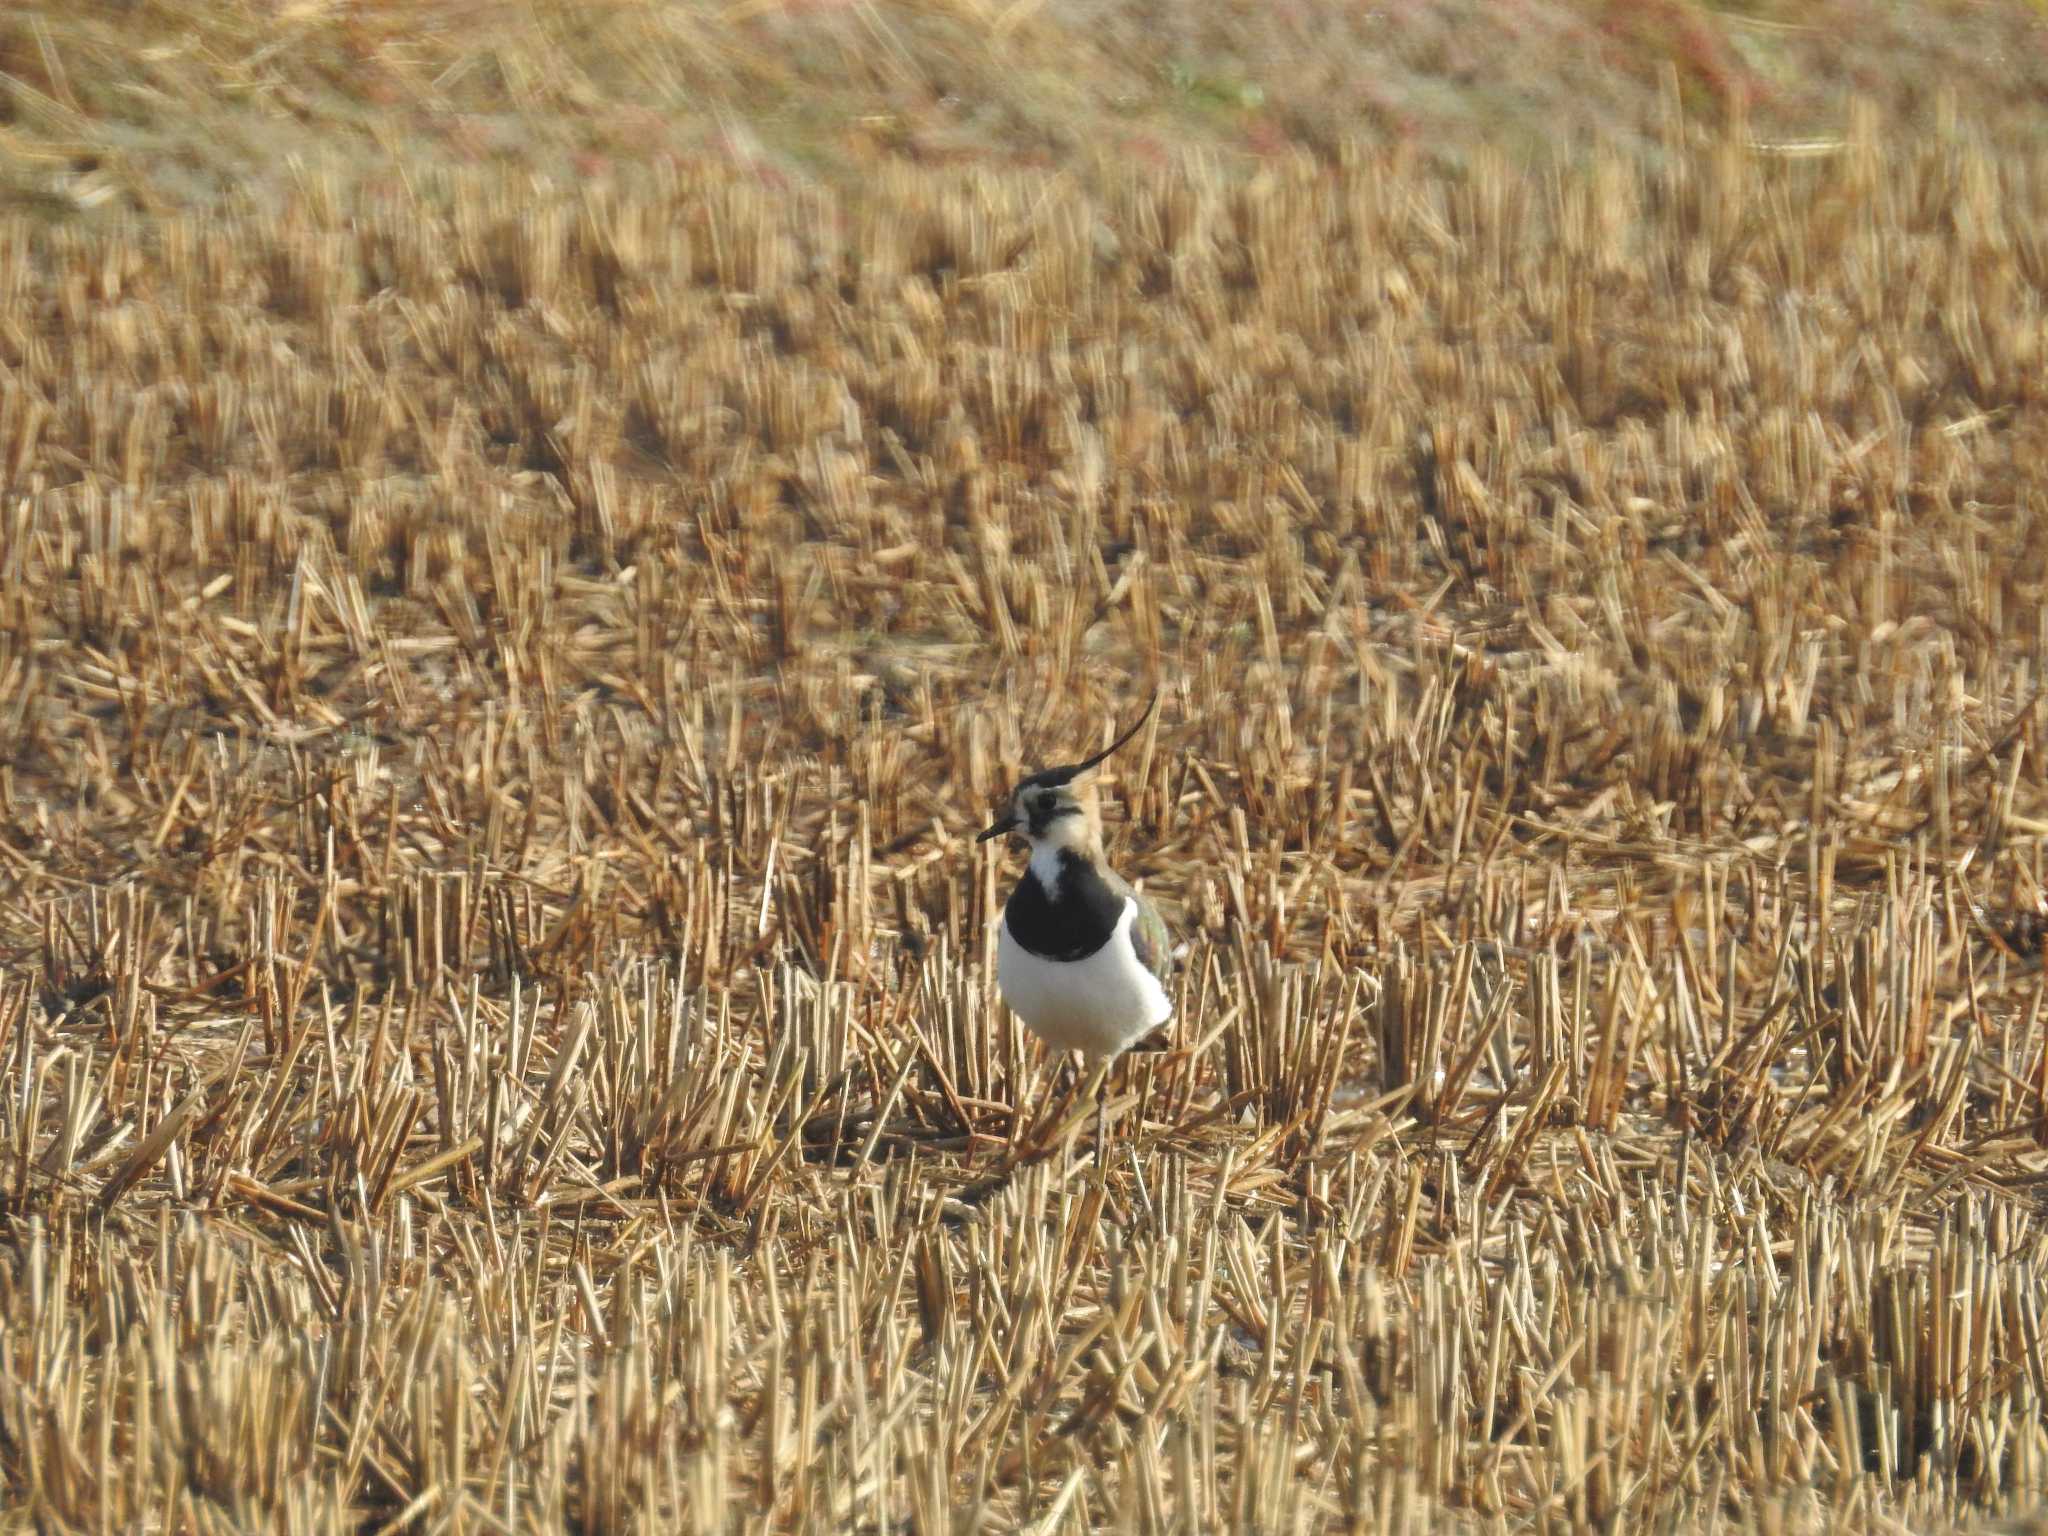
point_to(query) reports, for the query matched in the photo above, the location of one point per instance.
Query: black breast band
(1072, 926)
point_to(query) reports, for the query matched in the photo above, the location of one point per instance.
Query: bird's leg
(1101, 1115)
(1058, 1089)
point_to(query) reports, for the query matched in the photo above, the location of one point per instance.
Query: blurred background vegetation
(148, 105)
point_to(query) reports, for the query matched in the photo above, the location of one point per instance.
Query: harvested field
(494, 979)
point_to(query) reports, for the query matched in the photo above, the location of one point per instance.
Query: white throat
(1045, 864)
(1067, 834)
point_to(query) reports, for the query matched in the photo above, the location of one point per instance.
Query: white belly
(1096, 1006)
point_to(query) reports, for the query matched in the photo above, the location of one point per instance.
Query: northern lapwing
(1081, 957)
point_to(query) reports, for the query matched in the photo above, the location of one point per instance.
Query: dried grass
(494, 984)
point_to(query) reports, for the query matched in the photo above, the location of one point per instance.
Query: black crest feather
(1067, 773)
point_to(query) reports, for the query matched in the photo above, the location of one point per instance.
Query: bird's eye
(1046, 802)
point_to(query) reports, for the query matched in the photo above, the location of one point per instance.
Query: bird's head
(1045, 808)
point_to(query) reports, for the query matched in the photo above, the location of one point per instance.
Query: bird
(1081, 957)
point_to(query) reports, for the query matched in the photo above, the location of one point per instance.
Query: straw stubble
(496, 998)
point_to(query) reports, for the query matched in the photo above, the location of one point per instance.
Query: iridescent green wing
(1150, 936)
